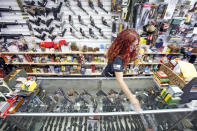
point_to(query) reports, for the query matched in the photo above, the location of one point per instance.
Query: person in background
(123, 50)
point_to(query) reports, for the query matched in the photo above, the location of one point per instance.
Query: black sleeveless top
(115, 66)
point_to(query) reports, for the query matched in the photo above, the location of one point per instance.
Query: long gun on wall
(11, 36)
(6, 24)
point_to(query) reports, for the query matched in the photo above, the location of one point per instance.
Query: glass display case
(81, 104)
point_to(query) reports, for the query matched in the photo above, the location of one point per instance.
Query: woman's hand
(132, 99)
(135, 103)
(137, 107)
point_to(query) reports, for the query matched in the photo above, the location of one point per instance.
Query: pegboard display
(60, 22)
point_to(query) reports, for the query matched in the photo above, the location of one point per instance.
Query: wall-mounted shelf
(95, 63)
(55, 63)
(146, 63)
(73, 63)
(55, 53)
(92, 74)
(161, 53)
(77, 52)
(48, 63)
(63, 74)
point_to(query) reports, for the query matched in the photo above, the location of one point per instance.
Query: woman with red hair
(122, 51)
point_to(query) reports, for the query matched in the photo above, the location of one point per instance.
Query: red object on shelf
(161, 74)
(11, 101)
(2, 75)
(93, 68)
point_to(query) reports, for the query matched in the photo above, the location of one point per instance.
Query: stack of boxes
(161, 78)
(171, 95)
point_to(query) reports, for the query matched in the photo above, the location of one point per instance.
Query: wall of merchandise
(50, 37)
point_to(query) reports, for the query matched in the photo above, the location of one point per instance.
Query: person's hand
(135, 107)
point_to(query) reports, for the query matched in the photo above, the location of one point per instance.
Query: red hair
(121, 47)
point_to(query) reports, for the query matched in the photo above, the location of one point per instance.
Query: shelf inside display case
(96, 103)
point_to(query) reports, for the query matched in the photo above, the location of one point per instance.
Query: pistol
(91, 32)
(43, 3)
(50, 30)
(71, 22)
(93, 24)
(100, 5)
(81, 21)
(48, 22)
(91, 5)
(101, 93)
(83, 33)
(63, 32)
(104, 21)
(41, 37)
(67, 4)
(73, 34)
(52, 37)
(80, 6)
(101, 34)
(39, 30)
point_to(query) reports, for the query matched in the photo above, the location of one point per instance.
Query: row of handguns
(75, 102)
(41, 9)
(71, 22)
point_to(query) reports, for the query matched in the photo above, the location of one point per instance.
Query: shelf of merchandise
(159, 85)
(151, 63)
(139, 74)
(73, 63)
(79, 52)
(146, 63)
(48, 63)
(49, 53)
(63, 74)
(95, 63)
(162, 53)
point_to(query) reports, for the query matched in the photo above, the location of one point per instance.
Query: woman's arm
(132, 99)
